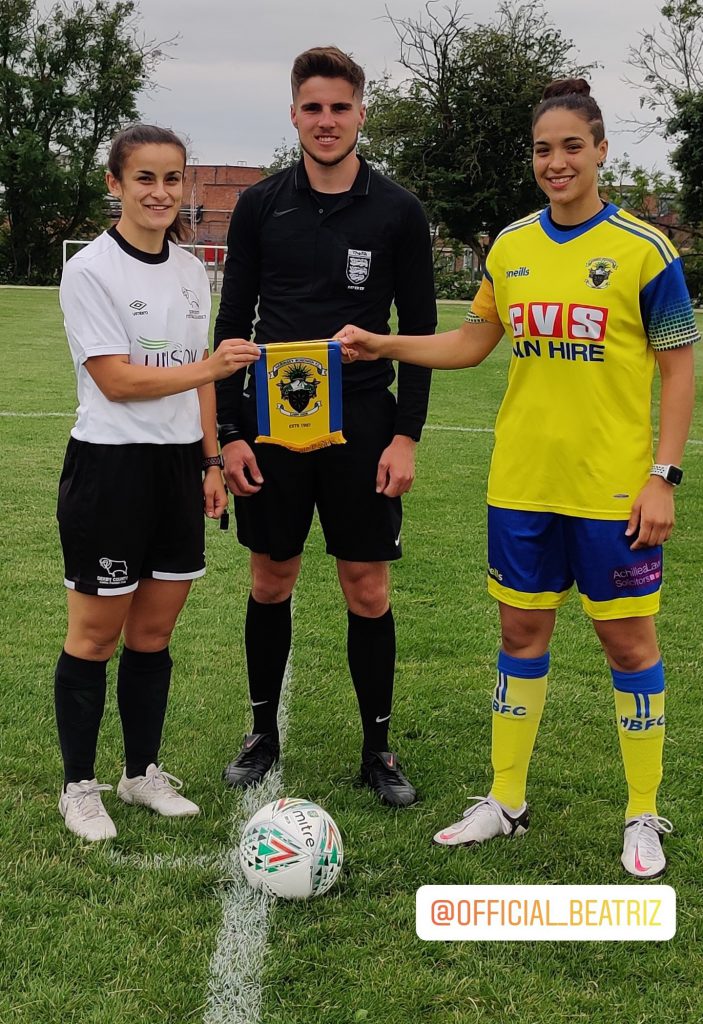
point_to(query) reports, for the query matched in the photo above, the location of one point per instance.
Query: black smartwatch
(213, 460)
(672, 474)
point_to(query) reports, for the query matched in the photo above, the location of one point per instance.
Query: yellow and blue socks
(518, 702)
(639, 709)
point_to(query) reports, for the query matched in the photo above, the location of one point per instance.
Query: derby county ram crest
(599, 271)
(298, 386)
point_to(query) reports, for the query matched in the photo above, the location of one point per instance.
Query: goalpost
(210, 255)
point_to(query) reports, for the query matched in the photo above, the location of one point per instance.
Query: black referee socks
(79, 699)
(371, 653)
(267, 637)
(143, 681)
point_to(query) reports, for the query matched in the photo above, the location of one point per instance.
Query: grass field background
(98, 935)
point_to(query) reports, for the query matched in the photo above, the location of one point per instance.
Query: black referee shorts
(128, 512)
(340, 481)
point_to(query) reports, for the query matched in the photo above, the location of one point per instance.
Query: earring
(601, 165)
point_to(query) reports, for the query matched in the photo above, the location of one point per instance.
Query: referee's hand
(241, 470)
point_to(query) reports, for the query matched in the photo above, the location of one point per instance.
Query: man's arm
(240, 293)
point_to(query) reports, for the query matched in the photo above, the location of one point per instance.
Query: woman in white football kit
(592, 300)
(140, 468)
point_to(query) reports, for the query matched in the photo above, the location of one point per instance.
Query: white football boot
(487, 819)
(82, 809)
(157, 790)
(642, 853)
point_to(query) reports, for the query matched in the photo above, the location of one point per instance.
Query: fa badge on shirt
(299, 395)
(358, 266)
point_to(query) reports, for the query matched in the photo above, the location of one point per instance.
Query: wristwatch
(213, 460)
(672, 474)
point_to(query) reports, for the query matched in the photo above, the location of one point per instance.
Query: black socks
(267, 637)
(143, 682)
(371, 653)
(79, 699)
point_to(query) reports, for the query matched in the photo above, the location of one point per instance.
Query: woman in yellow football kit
(592, 300)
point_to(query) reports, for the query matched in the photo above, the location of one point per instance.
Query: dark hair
(327, 62)
(142, 135)
(572, 94)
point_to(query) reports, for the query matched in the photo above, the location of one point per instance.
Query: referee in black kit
(327, 242)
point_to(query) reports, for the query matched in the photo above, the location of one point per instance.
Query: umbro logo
(282, 213)
(139, 308)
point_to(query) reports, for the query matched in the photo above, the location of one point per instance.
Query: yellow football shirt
(584, 309)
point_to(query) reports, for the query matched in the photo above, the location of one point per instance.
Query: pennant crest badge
(299, 395)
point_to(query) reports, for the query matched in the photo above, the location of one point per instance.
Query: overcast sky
(227, 84)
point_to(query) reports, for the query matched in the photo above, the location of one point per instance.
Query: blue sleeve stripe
(649, 680)
(520, 224)
(523, 668)
(667, 313)
(649, 230)
(655, 240)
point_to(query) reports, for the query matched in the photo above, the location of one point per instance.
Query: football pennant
(299, 395)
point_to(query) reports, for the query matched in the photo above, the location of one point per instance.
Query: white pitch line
(37, 415)
(237, 962)
(428, 426)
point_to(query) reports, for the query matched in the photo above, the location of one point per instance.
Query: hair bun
(567, 87)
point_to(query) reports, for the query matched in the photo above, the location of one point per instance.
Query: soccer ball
(291, 848)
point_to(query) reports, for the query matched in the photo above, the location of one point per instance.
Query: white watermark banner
(581, 913)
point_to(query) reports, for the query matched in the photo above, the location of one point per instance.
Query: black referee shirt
(313, 264)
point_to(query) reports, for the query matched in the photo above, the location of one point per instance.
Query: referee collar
(361, 185)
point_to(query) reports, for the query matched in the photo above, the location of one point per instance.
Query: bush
(454, 284)
(693, 268)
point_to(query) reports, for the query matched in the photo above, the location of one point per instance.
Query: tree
(687, 158)
(670, 60)
(68, 81)
(651, 195)
(283, 156)
(458, 131)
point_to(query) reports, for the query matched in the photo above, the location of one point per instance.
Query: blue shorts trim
(534, 558)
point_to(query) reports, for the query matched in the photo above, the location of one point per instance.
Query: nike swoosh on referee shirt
(282, 213)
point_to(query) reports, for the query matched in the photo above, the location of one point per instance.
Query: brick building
(214, 189)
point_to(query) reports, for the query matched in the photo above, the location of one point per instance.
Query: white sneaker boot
(157, 790)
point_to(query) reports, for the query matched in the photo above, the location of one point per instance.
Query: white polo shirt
(154, 308)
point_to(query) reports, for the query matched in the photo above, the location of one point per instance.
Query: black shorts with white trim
(340, 481)
(128, 512)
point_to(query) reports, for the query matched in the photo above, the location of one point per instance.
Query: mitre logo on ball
(291, 848)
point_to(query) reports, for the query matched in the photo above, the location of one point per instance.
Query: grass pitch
(124, 935)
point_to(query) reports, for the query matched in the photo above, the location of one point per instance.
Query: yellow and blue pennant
(299, 395)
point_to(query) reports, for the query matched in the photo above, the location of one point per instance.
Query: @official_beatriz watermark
(548, 913)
